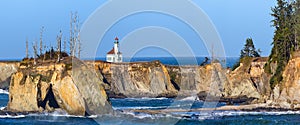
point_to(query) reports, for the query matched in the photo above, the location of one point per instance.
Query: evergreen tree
(283, 41)
(249, 49)
(247, 52)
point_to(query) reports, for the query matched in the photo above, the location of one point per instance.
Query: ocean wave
(10, 116)
(141, 99)
(58, 113)
(219, 114)
(191, 98)
(177, 106)
(1, 108)
(240, 113)
(151, 116)
(139, 107)
(3, 91)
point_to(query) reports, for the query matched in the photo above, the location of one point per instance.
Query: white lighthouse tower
(114, 55)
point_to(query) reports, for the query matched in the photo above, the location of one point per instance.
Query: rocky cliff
(50, 86)
(152, 79)
(80, 89)
(287, 94)
(209, 79)
(7, 69)
(249, 80)
(147, 79)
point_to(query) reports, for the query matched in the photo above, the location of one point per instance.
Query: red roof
(112, 51)
(117, 38)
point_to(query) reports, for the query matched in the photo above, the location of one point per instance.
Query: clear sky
(235, 20)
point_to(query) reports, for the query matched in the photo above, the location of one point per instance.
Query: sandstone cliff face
(287, 95)
(209, 79)
(152, 79)
(249, 80)
(6, 70)
(56, 86)
(147, 79)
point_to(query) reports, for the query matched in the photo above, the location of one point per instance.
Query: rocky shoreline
(80, 88)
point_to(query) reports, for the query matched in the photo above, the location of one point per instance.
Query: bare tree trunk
(35, 52)
(75, 42)
(45, 48)
(79, 47)
(75, 45)
(65, 44)
(58, 38)
(27, 53)
(41, 40)
(71, 34)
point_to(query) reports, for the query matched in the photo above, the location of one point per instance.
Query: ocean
(125, 116)
(226, 63)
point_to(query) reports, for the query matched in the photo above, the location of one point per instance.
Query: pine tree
(296, 23)
(283, 42)
(249, 49)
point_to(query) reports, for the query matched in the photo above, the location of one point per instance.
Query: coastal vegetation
(286, 38)
(286, 41)
(43, 53)
(247, 53)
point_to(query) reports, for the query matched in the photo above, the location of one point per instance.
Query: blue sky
(235, 20)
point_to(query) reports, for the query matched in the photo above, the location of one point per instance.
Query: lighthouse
(114, 55)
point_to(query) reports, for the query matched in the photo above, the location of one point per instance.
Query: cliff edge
(47, 87)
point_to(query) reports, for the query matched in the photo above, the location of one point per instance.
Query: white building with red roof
(114, 55)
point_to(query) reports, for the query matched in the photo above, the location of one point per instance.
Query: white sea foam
(1, 108)
(93, 116)
(3, 91)
(191, 98)
(142, 99)
(58, 113)
(218, 114)
(10, 116)
(139, 107)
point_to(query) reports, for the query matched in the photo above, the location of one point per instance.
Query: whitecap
(191, 98)
(10, 116)
(139, 107)
(93, 116)
(4, 91)
(1, 108)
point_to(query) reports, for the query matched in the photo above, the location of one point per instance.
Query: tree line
(43, 52)
(286, 38)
